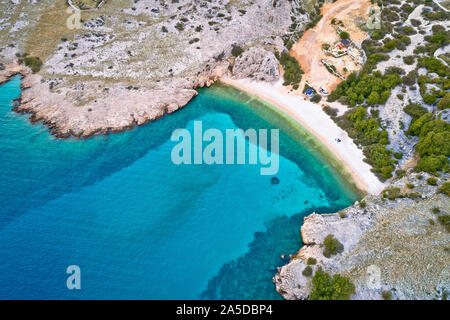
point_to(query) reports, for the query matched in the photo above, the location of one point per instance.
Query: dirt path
(308, 50)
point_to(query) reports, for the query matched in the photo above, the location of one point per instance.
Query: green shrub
(445, 221)
(445, 188)
(332, 246)
(409, 60)
(311, 261)
(307, 272)
(292, 70)
(316, 98)
(434, 143)
(387, 295)
(362, 204)
(435, 210)
(415, 110)
(410, 186)
(34, 63)
(432, 181)
(392, 193)
(332, 112)
(236, 51)
(398, 155)
(431, 222)
(444, 103)
(342, 214)
(400, 173)
(326, 287)
(344, 35)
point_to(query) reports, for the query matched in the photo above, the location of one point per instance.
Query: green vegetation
(34, 63)
(435, 210)
(311, 261)
(307, 272)
(374, 88)
(398, 155)
(432, 181)
(415, 110)
(236, 51)
(434, 142)
(362, 204)
(342, 214)
(445, 221)
(387, 295)
(332, 246)
(332, 112)
(326, 287)
(292, 70)
(409, 59)
(392, 193)
(367, 132)
(444, 103)
(316, 98)
(344, 35)
(445, 188)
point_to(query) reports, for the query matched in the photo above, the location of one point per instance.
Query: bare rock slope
(134, 61)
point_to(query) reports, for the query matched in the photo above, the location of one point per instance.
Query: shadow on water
(250, 276)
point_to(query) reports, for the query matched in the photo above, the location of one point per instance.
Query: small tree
(326, 287)
(332, 246)
(307, 272)
(387, 295)
(344, 35)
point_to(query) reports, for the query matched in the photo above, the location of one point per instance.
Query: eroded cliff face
(134, 61)
(393, 245)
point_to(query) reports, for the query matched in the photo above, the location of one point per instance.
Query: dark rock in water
(306, 201)
(275, 180)
(16, 102)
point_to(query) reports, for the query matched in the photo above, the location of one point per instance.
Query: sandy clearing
(308, 50)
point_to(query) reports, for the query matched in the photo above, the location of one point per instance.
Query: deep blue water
(140, 227)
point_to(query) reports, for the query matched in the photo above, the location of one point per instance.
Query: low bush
(445, 221)
(332, 246)
(445, 188)
(34, 63)
(307, 272)
(327, 287)
(432, 181)
(387, 295)
(292, 70)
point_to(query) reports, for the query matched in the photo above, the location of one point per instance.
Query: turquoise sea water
(140, 227)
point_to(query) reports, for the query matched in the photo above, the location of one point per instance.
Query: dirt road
(308, 50)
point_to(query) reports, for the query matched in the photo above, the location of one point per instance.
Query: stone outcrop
(257, 64)
(389, 245)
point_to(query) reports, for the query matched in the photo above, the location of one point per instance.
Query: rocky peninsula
(392, 242)
(131, 62)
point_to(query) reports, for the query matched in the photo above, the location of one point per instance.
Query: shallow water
(141, 227)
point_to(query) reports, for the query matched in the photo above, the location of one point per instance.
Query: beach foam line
(317, 122)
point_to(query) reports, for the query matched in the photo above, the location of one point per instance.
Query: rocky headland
(392, 242)
(132, 62)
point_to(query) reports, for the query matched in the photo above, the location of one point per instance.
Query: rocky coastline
(131, 64)
(392, 242)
